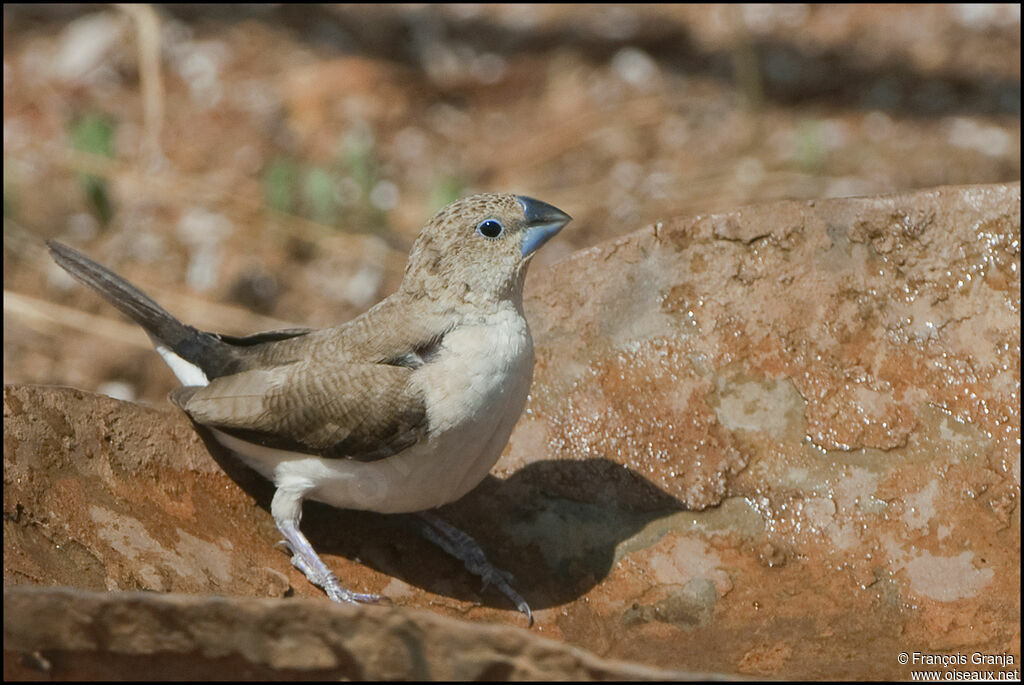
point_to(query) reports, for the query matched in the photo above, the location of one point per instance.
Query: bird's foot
(502, 580)
(465, 549)
(495, 576)
(317, 573)
(336, 592)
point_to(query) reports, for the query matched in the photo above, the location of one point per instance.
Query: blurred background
(265, 166)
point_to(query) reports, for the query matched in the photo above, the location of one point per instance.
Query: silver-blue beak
(543, 221)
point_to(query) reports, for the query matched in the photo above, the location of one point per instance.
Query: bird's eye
(490, 228)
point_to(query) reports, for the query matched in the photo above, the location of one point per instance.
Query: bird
(403, 409)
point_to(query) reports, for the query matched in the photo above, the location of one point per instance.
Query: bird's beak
(542, 222)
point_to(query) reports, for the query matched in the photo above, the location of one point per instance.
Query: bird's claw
(502, 580)
(339, 594)
(330, 584)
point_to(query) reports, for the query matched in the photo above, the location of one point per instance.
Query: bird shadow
(555, 525)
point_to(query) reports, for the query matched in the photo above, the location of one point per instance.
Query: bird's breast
(474, 385)
(478, 380)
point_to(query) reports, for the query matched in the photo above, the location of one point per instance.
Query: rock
(193, 637)
(832, 389)
(109, 495)
(777, 442)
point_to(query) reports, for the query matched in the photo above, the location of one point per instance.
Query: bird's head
(478, 248)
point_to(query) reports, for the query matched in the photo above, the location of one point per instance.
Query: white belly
(475, 390)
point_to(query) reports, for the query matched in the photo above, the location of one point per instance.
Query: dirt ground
(281, 160)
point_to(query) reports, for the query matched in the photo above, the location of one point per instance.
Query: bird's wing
(364, 412)
(394, 332)
(260, 338)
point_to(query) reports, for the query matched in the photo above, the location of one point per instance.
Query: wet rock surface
(781, 441)
(843, 378)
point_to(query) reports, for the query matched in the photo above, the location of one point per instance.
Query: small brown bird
(402, 409)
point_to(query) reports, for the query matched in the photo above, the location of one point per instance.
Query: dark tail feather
(214, 357)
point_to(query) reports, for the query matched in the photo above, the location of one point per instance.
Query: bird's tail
(195, 347)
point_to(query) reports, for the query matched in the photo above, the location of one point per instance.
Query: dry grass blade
(147, 23)
(49, 317)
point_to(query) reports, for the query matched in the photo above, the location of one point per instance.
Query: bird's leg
(286, 508)
(465, 549)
